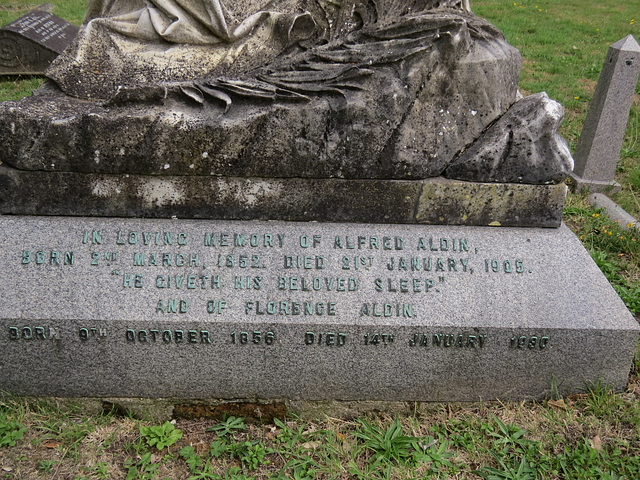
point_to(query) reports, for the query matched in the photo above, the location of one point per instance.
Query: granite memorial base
(190, 310)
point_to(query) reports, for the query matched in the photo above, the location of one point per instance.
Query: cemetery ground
(593, 435)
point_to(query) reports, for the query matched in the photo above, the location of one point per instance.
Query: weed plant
(593, 435)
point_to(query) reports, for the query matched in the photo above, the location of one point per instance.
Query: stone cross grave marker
(598, 150)
(29, 44)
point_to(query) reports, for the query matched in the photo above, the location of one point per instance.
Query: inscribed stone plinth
(273, 310)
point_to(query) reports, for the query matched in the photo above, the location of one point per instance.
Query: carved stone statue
(315, 89)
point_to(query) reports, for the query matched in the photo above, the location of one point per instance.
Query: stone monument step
(430, 201)
(201, 309)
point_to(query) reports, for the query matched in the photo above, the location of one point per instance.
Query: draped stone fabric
(174, 21)
(137, 42)
(157, 41)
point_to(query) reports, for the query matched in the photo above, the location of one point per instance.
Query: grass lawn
(594, 435)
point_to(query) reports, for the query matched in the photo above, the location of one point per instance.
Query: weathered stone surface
(273, 310)
(523, 146)
(453, 202)
(434, 201)
(383, 126)
(29, 44)
(598, 148)
(302, 88)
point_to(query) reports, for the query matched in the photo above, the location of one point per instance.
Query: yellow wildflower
(630, 224)
(595, 215)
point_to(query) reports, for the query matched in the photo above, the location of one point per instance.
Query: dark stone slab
(274, 310)
(29, 44)
(433, 201)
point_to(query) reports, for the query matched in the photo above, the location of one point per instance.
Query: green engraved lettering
(138, 259)
(239, 239)
(209, 240)
(96, 237)
(285, 308)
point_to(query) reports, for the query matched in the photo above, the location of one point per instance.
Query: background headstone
(596, 155)
(29, 44)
